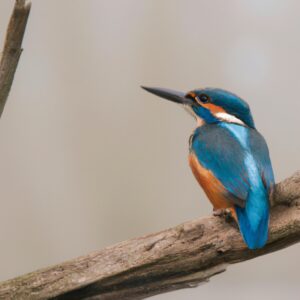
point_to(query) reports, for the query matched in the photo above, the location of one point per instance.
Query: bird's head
(210, 105)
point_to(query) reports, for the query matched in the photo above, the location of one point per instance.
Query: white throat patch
(228, 118)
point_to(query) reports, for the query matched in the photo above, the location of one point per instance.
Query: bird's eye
(203, 98)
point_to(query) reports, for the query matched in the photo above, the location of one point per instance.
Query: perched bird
(229, 158)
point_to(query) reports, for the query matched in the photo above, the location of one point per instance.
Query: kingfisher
(229, 158)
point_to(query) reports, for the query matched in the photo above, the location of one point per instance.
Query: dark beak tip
(148, 89)
(168, 94)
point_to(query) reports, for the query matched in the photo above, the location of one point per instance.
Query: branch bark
(176, 258)
(12, 48)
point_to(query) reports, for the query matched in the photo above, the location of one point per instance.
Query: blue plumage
(205, 114)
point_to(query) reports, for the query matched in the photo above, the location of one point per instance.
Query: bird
(229, 158)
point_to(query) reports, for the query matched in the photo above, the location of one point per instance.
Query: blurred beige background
(89, 159)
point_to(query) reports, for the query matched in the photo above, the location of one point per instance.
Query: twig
(12, 48)
(172, 259)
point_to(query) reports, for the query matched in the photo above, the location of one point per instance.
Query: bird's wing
(219, 152)
(260, 152)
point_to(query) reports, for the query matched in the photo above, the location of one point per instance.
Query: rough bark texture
(12, 48)
(176, 258)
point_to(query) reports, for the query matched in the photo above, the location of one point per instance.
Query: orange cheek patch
(213, 108)
(212, 187)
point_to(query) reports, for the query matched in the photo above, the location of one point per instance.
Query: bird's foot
(224, 213)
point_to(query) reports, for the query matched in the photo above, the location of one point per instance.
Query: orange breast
(213, 188)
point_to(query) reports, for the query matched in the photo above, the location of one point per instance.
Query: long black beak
(171, 95)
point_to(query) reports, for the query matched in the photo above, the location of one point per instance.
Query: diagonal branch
(12, 48)
(172, 259)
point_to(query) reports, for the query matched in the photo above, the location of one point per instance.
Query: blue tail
(254, 220)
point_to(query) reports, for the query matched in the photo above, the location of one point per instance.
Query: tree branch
(12, 48)
(172, 259)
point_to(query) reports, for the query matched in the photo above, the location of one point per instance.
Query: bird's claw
(224, 213)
